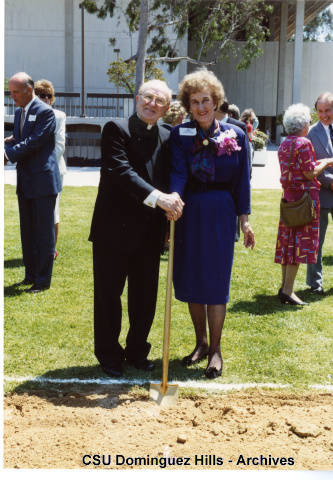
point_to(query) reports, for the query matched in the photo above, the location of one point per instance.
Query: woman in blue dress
(210, 171)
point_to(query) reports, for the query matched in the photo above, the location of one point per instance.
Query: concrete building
(43, 37)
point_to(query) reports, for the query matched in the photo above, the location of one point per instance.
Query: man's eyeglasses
(149, 97)
(45, 95)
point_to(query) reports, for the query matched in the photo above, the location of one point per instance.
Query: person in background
(299, 171)
(210, 171)
(174, 116)
(45, 91)
(32, 148)
(222, 114)
(249, 118)
(321, 136)
(233, 111)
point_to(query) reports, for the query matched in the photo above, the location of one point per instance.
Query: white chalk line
(224, 387)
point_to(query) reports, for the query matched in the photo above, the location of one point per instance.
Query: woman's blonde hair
(45, 86)
(198, 81)
(246, 115)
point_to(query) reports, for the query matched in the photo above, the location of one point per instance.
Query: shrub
(259, 140)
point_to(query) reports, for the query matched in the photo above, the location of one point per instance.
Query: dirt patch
(124, 430)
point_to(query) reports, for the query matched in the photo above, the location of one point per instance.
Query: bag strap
(290, 158)
(292, 152)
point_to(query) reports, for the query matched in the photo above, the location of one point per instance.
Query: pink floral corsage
(226, 143)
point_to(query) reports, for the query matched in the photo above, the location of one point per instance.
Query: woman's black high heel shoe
(213, 372)
(284, 298)
(188, 360)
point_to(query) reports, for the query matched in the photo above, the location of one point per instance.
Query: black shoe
(188, 360)
(144, 364)
(113, 370)
(25, 281)
(213, 372)
(38, 288)
(317, 290)
(284, 298)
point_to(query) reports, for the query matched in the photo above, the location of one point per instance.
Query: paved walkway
(262, 177)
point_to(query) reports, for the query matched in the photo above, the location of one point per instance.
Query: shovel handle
(167, 311)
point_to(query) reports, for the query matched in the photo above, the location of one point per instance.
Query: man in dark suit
(127, 230)
(321, 136)
(223, 116)
(32, 148)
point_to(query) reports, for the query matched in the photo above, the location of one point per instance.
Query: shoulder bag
(299, 213)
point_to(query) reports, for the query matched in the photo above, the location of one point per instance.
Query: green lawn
(51, 333)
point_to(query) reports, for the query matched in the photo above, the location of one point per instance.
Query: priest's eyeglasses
(149, 97)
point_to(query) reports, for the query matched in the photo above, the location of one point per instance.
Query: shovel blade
(168, 399)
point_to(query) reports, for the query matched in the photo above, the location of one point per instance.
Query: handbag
(298, 213)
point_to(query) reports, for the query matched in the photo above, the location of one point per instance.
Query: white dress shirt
(26, 108)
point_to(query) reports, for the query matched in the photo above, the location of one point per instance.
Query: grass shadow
(329, 292)
(13, 263)
(61, 388)
(13, 290)
(269, 304)
(328, 260)
(307, 296)
(178, 371)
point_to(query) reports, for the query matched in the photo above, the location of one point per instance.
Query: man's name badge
(32, 118)
(189, 132)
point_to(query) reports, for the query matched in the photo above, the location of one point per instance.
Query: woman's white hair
(295, 118)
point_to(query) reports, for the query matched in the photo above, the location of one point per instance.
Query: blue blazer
(323, 149)
(34, 152)
(236, 169)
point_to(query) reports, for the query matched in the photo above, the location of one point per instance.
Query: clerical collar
(148, 126)
(139, 128)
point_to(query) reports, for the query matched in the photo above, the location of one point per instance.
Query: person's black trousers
(37, 237)
(111, 268)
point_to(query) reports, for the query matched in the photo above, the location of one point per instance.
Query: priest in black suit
(128, 228)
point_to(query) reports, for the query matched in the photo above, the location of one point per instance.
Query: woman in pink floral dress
(299, 170)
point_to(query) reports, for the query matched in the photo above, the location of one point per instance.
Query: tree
(122, 74)
(211, 25)
(321, 27)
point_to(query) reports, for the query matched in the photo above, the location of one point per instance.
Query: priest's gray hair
(158, 85)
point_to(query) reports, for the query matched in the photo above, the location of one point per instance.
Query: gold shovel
(164, 394)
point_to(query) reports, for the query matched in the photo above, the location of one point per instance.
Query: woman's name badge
(189, 132)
